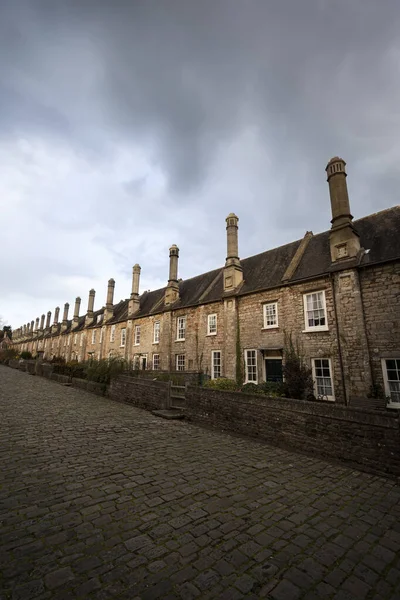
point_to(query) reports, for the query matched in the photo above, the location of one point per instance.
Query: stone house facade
(335, 294)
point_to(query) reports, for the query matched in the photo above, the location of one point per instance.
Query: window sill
(181, 340)
(211, 334)
(122, 346)
(136, 345)
(315, 330)
(155, 343)
(270, 327)
(393, 405)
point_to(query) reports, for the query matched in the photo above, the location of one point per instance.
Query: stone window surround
(215, 366)
(276, 324)
(93, 336)
(395, 405)
(136, 339)
(210, 319)
(254, 366)
(331, 398)
(180, 362)
(307, 328)
(156, 363)
(123, 337)
(180, 328)
(112, 333)
(156, 332)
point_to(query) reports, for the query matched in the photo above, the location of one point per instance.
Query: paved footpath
(102, 500)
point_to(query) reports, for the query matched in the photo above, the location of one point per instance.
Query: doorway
(273, 370)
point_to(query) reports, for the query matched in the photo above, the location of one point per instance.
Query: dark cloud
(136, 125)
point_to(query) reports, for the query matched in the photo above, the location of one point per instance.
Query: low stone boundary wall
(143, 393)
(366, 440)
(90, 386)
(60, 378)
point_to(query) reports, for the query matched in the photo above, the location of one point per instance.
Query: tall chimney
(42, 322)
(108, 313)
(134, 304)
(344, 239)
(56, 315)
(48, 320)
(172, 289)
(89, 314)
(75, 320)
(37, 325)
(31, 327)
(233, 272)
(64, 323)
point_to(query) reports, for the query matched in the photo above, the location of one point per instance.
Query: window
(391, 376)
(180, 362)
(101, 334)
(251, 366)
(156, 362)
(123, 337)
(270, 315)
(81, 339)
(212, 325)
(322, 373)
(156, 332)
(112, 333)
(180, 328)
(137, 335)
(75, 339)
(215, 364)
(315, 312)
(93, 336)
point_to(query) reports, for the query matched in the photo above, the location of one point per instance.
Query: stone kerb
(367, 440)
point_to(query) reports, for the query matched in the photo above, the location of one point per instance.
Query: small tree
(298, 377)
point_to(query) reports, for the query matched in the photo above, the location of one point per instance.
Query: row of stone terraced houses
(337, 293)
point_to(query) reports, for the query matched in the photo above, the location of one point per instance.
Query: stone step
(169, 413)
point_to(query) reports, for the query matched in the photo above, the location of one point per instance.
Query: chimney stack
(75, 320)
(233, 272)
(42, 322)
(172, 290)
(134, 304)
(108, 313)
(56, 315)
(64, 323)
(344, 240)
(37, 325)
(90, 309)
(31, 328)
(48, 321)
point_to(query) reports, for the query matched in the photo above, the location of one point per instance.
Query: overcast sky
(130, 125)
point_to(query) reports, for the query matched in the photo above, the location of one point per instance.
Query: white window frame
(315, 327)
(180, 361)
(123, 337)
(180, 328)
(213, 365)
(387, 381)
(330, 397)
(81, 340)
(268, 317)
(156, 332)
(75, 339)
(210, 318)
(93, 336)
(156, 368)
(247, 365)
(101, 335)
(112, 333)
(136, 337)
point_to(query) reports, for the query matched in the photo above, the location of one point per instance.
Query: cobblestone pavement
(99, 499)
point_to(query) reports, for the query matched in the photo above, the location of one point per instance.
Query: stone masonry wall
(380, 287)
(151, 395)
(369, 441)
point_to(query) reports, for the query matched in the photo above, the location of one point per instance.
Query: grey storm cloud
(234, 106)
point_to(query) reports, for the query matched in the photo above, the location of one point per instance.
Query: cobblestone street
(100, 499)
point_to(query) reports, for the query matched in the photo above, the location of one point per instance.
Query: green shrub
(222, 384)
(251, 388)
(103, 371)
(298, 377)
(274, 389)
(26, 355)
(7, 355)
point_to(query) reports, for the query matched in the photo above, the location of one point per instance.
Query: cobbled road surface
(102, 500)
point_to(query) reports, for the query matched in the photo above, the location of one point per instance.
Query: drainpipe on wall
(338, 339)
